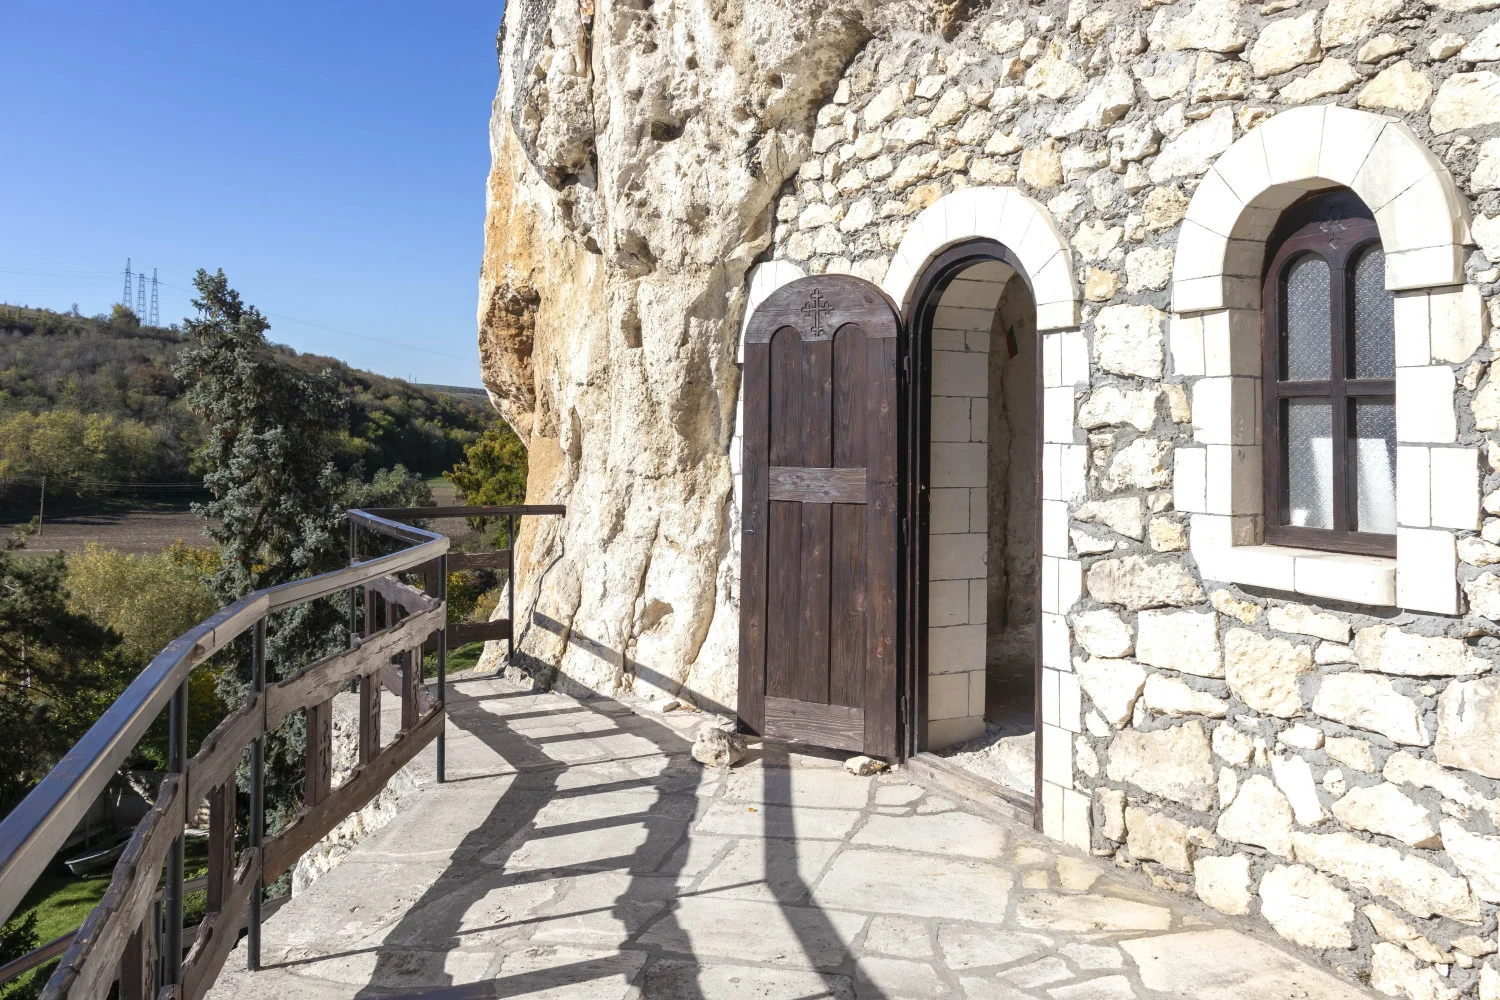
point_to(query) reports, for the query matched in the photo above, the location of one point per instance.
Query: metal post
(442, 667)
(257, 792)
(172, 896)
(510, 586)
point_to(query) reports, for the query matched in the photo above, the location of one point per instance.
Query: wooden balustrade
(121, 938)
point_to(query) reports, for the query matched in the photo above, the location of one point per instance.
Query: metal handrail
(35, 830)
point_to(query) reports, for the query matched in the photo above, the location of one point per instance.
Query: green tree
(16, 939)
(59, 669)
(492, 473)
(277, 509)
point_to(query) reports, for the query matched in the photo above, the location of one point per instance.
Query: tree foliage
(492, 473)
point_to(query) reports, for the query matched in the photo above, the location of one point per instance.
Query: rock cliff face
(637, 151)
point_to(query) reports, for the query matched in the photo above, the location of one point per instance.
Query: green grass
(464, 657)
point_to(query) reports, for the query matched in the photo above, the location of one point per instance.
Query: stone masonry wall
(1331, 768)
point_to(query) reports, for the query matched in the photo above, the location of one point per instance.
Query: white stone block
(976, 693)
(957, 373)
(956, 557)
(948, 511)
(1424, 267)
(1057, 416)
(1458, 323)
(979, 418)
(1347, 138)
(1344, 577)
(1259, 566)
(1049, 586)
(1075, 357)
(1189, 479)
(977, 608)
(1051, 360)
(1069, 702)
(1052, 810)
(978, 510)
(1224, 410)
(1413, 487)
(1426, 568)
(947, 603)
(1243, 168)
(1056, 315)
(1056, 642)
(1185, 340)
(1231, 342)
(947, 696)
(1057, 756)
(1424, 405)
(1455, 488)
(1215, 206)
(1054, 528)
(1049, 696)
(1397, 160)
(1052, 471)
(1413, 347)
(959, 464)
(1074, 468)
(1233, 480)
(950, 418)
(1069, 584)
(1191, 295)
(1200, 252)
(1077, 820)
(1293, 141)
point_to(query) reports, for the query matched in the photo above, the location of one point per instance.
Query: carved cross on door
(813, 309)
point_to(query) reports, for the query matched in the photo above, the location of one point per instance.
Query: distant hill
(94, 401)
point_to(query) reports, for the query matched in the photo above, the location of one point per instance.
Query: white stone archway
(1216, 343)
(1028, 232)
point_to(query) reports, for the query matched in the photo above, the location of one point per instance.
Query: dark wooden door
(819, 549)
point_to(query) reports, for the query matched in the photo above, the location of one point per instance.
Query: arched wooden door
(818, 598)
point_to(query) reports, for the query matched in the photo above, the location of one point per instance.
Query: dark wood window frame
(1338, 228)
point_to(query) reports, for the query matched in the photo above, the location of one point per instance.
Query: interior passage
(983, 533)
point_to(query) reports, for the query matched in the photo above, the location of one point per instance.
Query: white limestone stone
(1103, 633)
(1111, 406)
(1404, 768)
(1466, 100)
(1259, 815)
(1417, 886)
(1399, 87)
(1154, 836)
(1469, 726)
(1301, 736)
(1294, 777)
(1285, 44)
(1331, 76)
(1137, 584)
(1232, 746)
(1477, 856)
(1371, 702)
(1389, 650)
(1172, 697)
(1128, 340)
(1112, 684)
(1306, 907)
(1125, 515)
(1172, 763)
(1181, 640)
(1384, 809)
(1395, 972)
(1223, 882)
(1483, 593)
(1303, 620)
(1210, 24)
(1351, 750)
(1193, 152)
(1346, 21)
(1266, 673)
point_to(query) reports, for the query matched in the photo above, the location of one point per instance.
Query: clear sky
(329, 155)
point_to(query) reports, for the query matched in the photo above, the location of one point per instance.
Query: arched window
(1329, 377)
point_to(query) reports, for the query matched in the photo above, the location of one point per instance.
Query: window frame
(1338, 228)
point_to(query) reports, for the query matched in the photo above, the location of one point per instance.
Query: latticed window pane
(1374, 318)
(1309, 462)
(1372, 478)
(1308, 341)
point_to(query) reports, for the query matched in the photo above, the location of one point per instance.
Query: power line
(125, 299)
(155, 305)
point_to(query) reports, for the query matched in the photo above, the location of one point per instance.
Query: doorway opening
(975, 450)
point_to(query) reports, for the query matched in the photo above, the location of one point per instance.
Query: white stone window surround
(1027, 229)
(1215, 339)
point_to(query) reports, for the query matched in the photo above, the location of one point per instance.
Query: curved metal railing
(115, 942)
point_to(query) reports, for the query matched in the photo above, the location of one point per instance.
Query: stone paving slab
(579, 852)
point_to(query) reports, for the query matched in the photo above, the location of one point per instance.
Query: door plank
(836, 726)
(846, 667)
(809, 485)
(817, 452)
(784, 537)
(881, 531)
(754, 526)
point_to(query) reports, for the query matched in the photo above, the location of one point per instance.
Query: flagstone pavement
(578, 851)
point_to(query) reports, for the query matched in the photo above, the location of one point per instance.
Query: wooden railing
(122, 939)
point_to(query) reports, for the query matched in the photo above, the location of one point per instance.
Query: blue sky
(330, 156)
